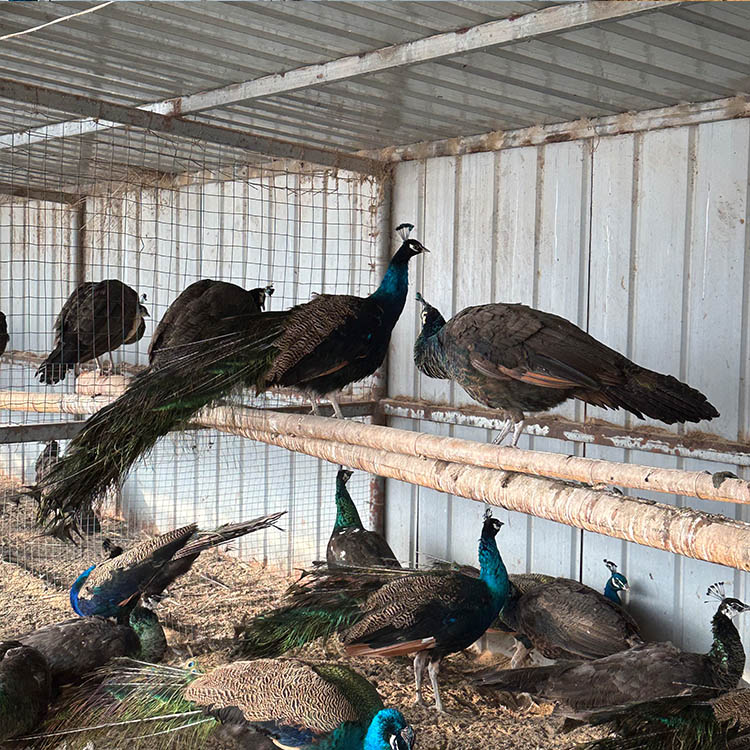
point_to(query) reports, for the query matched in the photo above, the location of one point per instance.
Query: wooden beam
(42, 433)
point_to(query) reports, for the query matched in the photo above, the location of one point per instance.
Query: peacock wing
(513, 341)
(565, 617)
(323, 336)
(733, 709)
(359, 547)
(105, 318)
(284, 693)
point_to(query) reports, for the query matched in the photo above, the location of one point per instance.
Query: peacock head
(260, 295)
(491, 525)
(616, 580)
(142, 308)
(432, 320)
(409, 247)
(389, 730)
(343, 475)
(729, 606)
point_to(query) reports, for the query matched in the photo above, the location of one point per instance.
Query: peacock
(297, 704)
(516, 359)
(427, 614)
(76, 647)
(701, 721)
(25, 688)
(644, 672)
(113, 588)
(4, 337)
(615, 583)
(350, 543)
(98, 317)
(317, 347)
(204, 310)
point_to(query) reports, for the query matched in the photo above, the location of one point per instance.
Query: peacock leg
(314, 402)
(520, 655)
(433, 668)
(336, 408)
(419, 664)
(504, 431)
(517, 430)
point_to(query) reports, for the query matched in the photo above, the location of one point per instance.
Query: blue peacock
(113, 588)
(427, 614)
(316, 348)
(296, 704)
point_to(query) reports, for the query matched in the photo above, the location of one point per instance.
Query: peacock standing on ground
(113, 588)
(688, 722)
(204, 310)
(352, 545)
(4, 337)
(77, 647)
(318, 347)
(644, 672)
(25, 688)
(98, 317)
(296, 704)
(515, 358)
(426, 614)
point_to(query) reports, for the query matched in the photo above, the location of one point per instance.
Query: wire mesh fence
(91, 201)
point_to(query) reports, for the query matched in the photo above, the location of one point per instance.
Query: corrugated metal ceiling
(136, 52)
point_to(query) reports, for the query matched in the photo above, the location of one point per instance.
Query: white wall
(639, 239)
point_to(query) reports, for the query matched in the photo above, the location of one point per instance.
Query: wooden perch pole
(685, 531)
(537, 463)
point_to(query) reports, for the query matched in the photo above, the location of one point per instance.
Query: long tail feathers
(156, 401)
(125, 702)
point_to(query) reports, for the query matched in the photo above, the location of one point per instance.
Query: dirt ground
(204, 606)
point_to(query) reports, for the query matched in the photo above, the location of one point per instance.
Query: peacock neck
(492, 570)
(75, 590)
(428, 352)
(347, 516)
(383, 726)
(611, 592)
(153, 642)
(394, 286)
(727, 652)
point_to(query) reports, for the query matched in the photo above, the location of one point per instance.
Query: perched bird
(615, 583)
(4, 337)
(317, 347)
(515, 358)
(644, 672)
(98, 317)
(25, 688)
(75, 648)
(205, 310)
(112, 588)
(350, 543)
(298, 705)
(427, 614)
(702, 721)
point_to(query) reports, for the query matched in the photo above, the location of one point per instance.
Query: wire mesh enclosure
(93, 201)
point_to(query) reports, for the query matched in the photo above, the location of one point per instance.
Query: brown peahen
(644, 672)
(351, 544)
(98, 317)
(317, 347)
(517, 359)
(296, 704)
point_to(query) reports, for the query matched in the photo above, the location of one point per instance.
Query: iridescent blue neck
(386, 723)
(76, 588)
(492, 570)
(395, 284)
(347, 515)
(611, 592)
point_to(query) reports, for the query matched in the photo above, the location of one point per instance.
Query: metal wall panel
(641, 240)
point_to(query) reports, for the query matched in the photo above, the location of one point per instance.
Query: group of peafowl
(216, 339)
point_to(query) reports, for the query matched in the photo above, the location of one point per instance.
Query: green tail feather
(126, 703)
(156, 401)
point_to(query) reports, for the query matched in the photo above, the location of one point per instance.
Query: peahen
(516, 359)
(350, 543)
(112, 588)
(296, 704)
(25, 688)
(75, 648)
(702, 721)
(427, 614)
(98, 317)
(641, 673)
(317, 347)
(204, 310)
(4, 337)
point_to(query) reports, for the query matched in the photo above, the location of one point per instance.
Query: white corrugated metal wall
(639, 239)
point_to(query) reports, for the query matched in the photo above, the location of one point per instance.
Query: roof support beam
(118, 114)
(556, 19)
